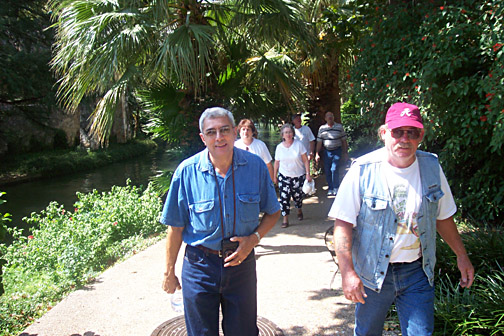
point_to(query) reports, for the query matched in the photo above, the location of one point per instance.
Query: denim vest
(374, 234)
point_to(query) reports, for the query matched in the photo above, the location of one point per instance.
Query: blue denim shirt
(374, 234)
(193, 201)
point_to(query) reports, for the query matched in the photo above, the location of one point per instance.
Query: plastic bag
(309, 187)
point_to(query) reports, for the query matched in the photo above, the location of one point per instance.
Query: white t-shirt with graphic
(406, 191)
(257, 147)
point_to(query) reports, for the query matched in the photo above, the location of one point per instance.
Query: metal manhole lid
(176, 327)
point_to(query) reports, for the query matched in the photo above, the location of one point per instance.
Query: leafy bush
(4, 218)
(68, 249)
(478, 310)
(361, 133)
(485, 246)
(447, 58)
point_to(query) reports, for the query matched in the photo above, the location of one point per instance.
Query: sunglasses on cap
(413, 133)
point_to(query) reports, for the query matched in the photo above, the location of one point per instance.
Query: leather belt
(208, 250)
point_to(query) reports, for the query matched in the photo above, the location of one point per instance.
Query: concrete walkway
(294, 271)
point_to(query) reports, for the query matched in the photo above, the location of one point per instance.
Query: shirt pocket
(248, 207)
(203, 216)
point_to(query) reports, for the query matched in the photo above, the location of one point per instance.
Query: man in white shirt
(304, 134)
(389, 206)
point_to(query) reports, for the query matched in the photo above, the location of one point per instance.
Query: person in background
(248, 141)
(304, 134)
(331, 141)
(388, 209)
(213, 206)
(291, 168)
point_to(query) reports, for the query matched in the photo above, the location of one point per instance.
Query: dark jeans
(208, 285)
(331, 170)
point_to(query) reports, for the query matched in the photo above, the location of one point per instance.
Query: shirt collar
(205, 164)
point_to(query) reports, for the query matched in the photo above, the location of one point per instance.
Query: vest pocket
(372, 209)
(434, 195)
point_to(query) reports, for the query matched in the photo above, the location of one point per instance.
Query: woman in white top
(248, 141)
(291, 167)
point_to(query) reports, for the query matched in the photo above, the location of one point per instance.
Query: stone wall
(28, 132)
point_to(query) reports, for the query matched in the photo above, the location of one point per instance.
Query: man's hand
(246, 245)
(170, 283)
(353, 287)
(466, 271)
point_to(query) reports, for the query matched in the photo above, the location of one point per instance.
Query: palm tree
(176, 57)
(338, 25)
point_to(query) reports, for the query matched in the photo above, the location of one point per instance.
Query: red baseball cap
(403, 114)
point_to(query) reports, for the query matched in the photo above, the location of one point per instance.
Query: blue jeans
(331, 171)
(207, 285)
(408, 287)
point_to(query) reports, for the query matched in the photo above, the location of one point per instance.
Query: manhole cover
(176, 327)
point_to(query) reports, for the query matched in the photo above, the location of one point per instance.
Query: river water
(25, 198)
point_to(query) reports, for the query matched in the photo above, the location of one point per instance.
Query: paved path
(294, 271)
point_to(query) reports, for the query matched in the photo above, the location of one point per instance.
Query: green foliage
(446, 57)
(362, 135)
(484, 244)
(4, 218)
(222, 53)
(26, 42)
(478, 310)
(68, 249)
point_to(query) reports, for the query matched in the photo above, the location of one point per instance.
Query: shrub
(475, 311)
(478, 310)
(68, 249)
(4, 218)
(361, 133)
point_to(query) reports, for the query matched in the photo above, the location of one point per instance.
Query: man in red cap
(387, 211)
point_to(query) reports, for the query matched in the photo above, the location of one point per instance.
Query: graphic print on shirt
(407, 227)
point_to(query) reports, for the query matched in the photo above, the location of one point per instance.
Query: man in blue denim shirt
(215, 196)
(387, 211)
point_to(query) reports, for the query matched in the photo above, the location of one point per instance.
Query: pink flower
(30, 237)
(115, 223)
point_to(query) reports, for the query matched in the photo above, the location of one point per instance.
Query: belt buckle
(220, 253)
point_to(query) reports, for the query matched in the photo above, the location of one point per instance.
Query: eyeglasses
(212, 132)
(413, 133)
